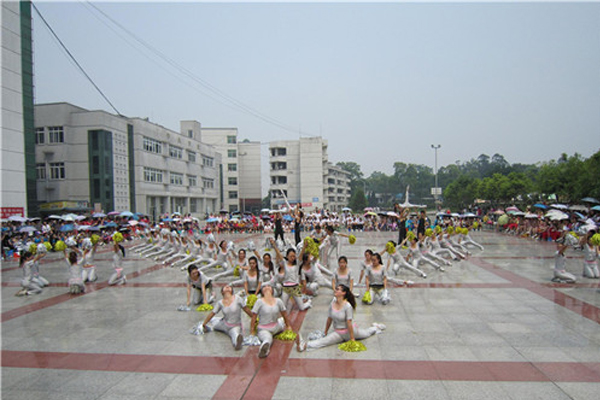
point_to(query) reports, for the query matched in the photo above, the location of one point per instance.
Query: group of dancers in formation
(295, 272)
(79, 257)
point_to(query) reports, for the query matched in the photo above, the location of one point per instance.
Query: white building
(299, 169)
(241, 169)
(101, 161)
(16, 145)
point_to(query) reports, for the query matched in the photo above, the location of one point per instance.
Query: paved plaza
(490, 327)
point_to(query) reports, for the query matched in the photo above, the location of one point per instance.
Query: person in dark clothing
(279, 226)
(298, 215)
(421, 225)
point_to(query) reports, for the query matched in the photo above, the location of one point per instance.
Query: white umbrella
(578, 208)
(133, 222)
(17, 218)
(531, 215)
(559, 206)
(392, 214)
(512, 208)
(556, 215)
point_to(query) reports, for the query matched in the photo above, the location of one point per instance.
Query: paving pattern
(491, 327)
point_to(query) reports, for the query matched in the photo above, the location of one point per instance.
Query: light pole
(435, 193)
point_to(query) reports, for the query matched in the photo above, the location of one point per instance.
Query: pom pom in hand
(204, 307)
(390, 248)
(428, 232)
(95, 238)
(595, 240)
(33, 248)
(251, 300)
(48, 246)
(437, 229)
(117, 237)
(236, 271)
(475, 225)
(367, 297)
(352, 346)
(311, 247)
(450, 230)
(287, 336)
(60, 246)
(410, 235)
(352, 239)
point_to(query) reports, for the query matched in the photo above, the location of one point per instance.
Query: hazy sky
(381, 82)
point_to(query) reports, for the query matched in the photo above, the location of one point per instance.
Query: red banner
(6, 212)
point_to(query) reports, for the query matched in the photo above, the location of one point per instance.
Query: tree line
(492, 180)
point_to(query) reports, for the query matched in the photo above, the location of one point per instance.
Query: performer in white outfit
(200, 285)
(343, 275)
(590, 257)
(231, 324)
(466, 239)
(311, 276)
(291, 278)
(560, 272)
(35, 268)
(89, 269)
(28, 284)
(76, 285)
(341, 316)
(272, 319)
(376, 281)
(118, 277)
(398, 261)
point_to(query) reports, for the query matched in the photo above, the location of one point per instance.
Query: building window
(153, 175)
(231, 139)
(40, 171)
(207, 161)
(57, 170)
(176, 179)
(232, 181)
(231, 153)
(190, 133)
(191, 156)
(208, 183)
(40, 136)
(278, 166)
(278, 151)
(192, 180)
(233, 194)
(56, 134)
(231, 167)
(175, 152)
(193, 205)
(152, 145)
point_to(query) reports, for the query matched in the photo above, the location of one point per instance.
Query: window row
(154, 175)
(56, 134)
(52, 171)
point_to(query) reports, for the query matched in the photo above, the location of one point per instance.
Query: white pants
(335, 337)
(232, 331)
(590, 269)
(266, 334)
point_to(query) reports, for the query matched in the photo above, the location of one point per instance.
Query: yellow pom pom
(95, 238)
(48, 246)
(450, 230)
(251, 300)
(236, 271)
(475, 225)
(311, 247)
(352, 346)
(286, 336)
(204, 307)
(60, 246)
(218, 266)
(410, 235)
(428, 232)
(367, 297)
(352, 239)
(437, 229)
(117, 237)
(390, 248)
(595, 240)
(33, 248)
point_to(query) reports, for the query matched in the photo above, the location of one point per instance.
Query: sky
(381, 82)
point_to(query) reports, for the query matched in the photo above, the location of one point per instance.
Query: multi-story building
(17, 169)
(338, 188)
(241, 169)
(97, 160)
(300, 171)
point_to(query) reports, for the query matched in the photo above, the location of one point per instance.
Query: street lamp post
(435, 193)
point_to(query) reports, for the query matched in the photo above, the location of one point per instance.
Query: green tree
(358, 201)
